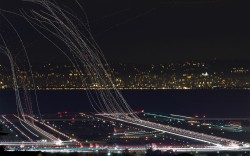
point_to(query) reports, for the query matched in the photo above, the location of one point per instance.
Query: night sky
(151, 31)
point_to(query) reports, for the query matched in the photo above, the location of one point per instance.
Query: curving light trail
(88, 59)
(83, 53)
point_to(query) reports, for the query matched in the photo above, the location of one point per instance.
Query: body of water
(212, 103)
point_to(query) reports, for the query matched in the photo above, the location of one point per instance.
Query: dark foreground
(124, 153)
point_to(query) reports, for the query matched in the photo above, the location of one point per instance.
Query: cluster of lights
(155, 77)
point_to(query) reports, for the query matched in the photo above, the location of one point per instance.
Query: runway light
(59, 142)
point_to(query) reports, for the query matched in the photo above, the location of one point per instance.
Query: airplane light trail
(50, 136)
(86, 57)
(218, 141)
(43, 123)
(16, 128)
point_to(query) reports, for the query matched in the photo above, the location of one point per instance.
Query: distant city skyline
(182, 75)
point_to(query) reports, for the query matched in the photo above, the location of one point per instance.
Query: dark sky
(152, 31)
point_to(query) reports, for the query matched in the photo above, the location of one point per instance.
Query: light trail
(55, 130)
(130, 148)
(135, 133)
(6, 51)
(49, 127)
(37, 143)
(164, 116)
(46, 134)
(17, 128)
(217, 141)
(182, 116)
(28, 129)
(85, 55)
(20, 85)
